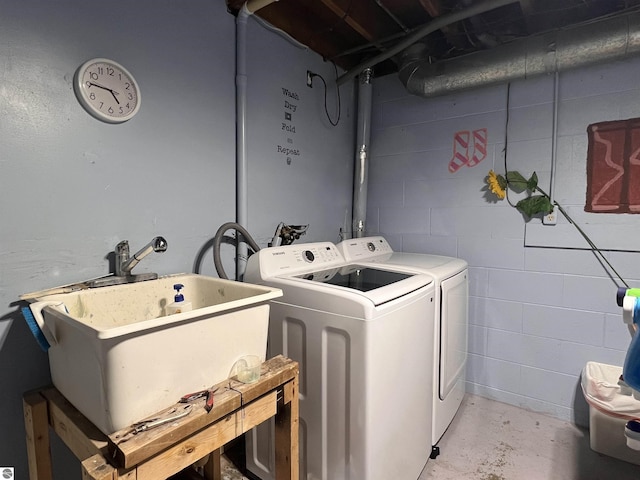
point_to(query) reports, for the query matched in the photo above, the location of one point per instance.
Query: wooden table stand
(168, 449)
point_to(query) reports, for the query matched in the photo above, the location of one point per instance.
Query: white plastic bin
(609, 411)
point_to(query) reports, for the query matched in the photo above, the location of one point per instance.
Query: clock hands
(114, 93)
(106, 90)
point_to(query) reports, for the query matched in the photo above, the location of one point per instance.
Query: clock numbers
(101, 86)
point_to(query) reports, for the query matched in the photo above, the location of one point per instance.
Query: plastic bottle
(179, 305)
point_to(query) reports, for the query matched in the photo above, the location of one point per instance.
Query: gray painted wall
(537, 314)
(72, 187)
(315, 186)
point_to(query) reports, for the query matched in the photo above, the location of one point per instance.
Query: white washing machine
(451, 313)
(358, 335)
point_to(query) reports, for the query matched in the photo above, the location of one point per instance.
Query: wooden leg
(97, 468)
(213, 468)
(36, 423)
(286, 434)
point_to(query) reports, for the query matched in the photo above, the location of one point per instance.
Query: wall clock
(107, 90)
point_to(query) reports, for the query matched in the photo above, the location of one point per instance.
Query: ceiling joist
(350, 31)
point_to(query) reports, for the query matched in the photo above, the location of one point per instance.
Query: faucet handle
(122, 248)
(122, 256)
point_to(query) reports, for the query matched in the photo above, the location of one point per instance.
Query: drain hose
(217, 241)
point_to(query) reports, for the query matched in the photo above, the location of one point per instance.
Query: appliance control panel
(297, 258)
(364, 248)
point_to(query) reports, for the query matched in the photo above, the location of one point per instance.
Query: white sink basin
(121, 309)
(118, 358)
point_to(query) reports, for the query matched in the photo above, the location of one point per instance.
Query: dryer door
(454, 326)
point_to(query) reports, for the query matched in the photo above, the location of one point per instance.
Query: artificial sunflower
(533, 203)
(536, 202)
(497, 184)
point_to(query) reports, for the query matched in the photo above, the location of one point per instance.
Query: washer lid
(357, 277)
(378, 285)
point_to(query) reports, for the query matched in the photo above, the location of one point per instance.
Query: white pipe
(241, 140)
(242, 189)
(554, 138)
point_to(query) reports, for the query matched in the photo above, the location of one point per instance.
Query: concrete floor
(490, 440)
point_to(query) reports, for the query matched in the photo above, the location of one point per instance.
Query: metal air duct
(610, 39)
(436, 24)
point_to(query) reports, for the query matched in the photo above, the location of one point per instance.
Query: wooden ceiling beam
(353, 23)
(528, 12)
(527, 6)
(432, 7)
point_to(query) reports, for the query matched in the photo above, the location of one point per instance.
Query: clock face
(107, 90)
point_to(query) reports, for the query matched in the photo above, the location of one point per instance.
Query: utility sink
(117, 357)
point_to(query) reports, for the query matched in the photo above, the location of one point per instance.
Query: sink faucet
(125, 263)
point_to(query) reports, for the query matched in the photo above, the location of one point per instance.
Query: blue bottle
(631, 369)
(179, 305)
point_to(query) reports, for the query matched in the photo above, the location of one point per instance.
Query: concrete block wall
(537, 314)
